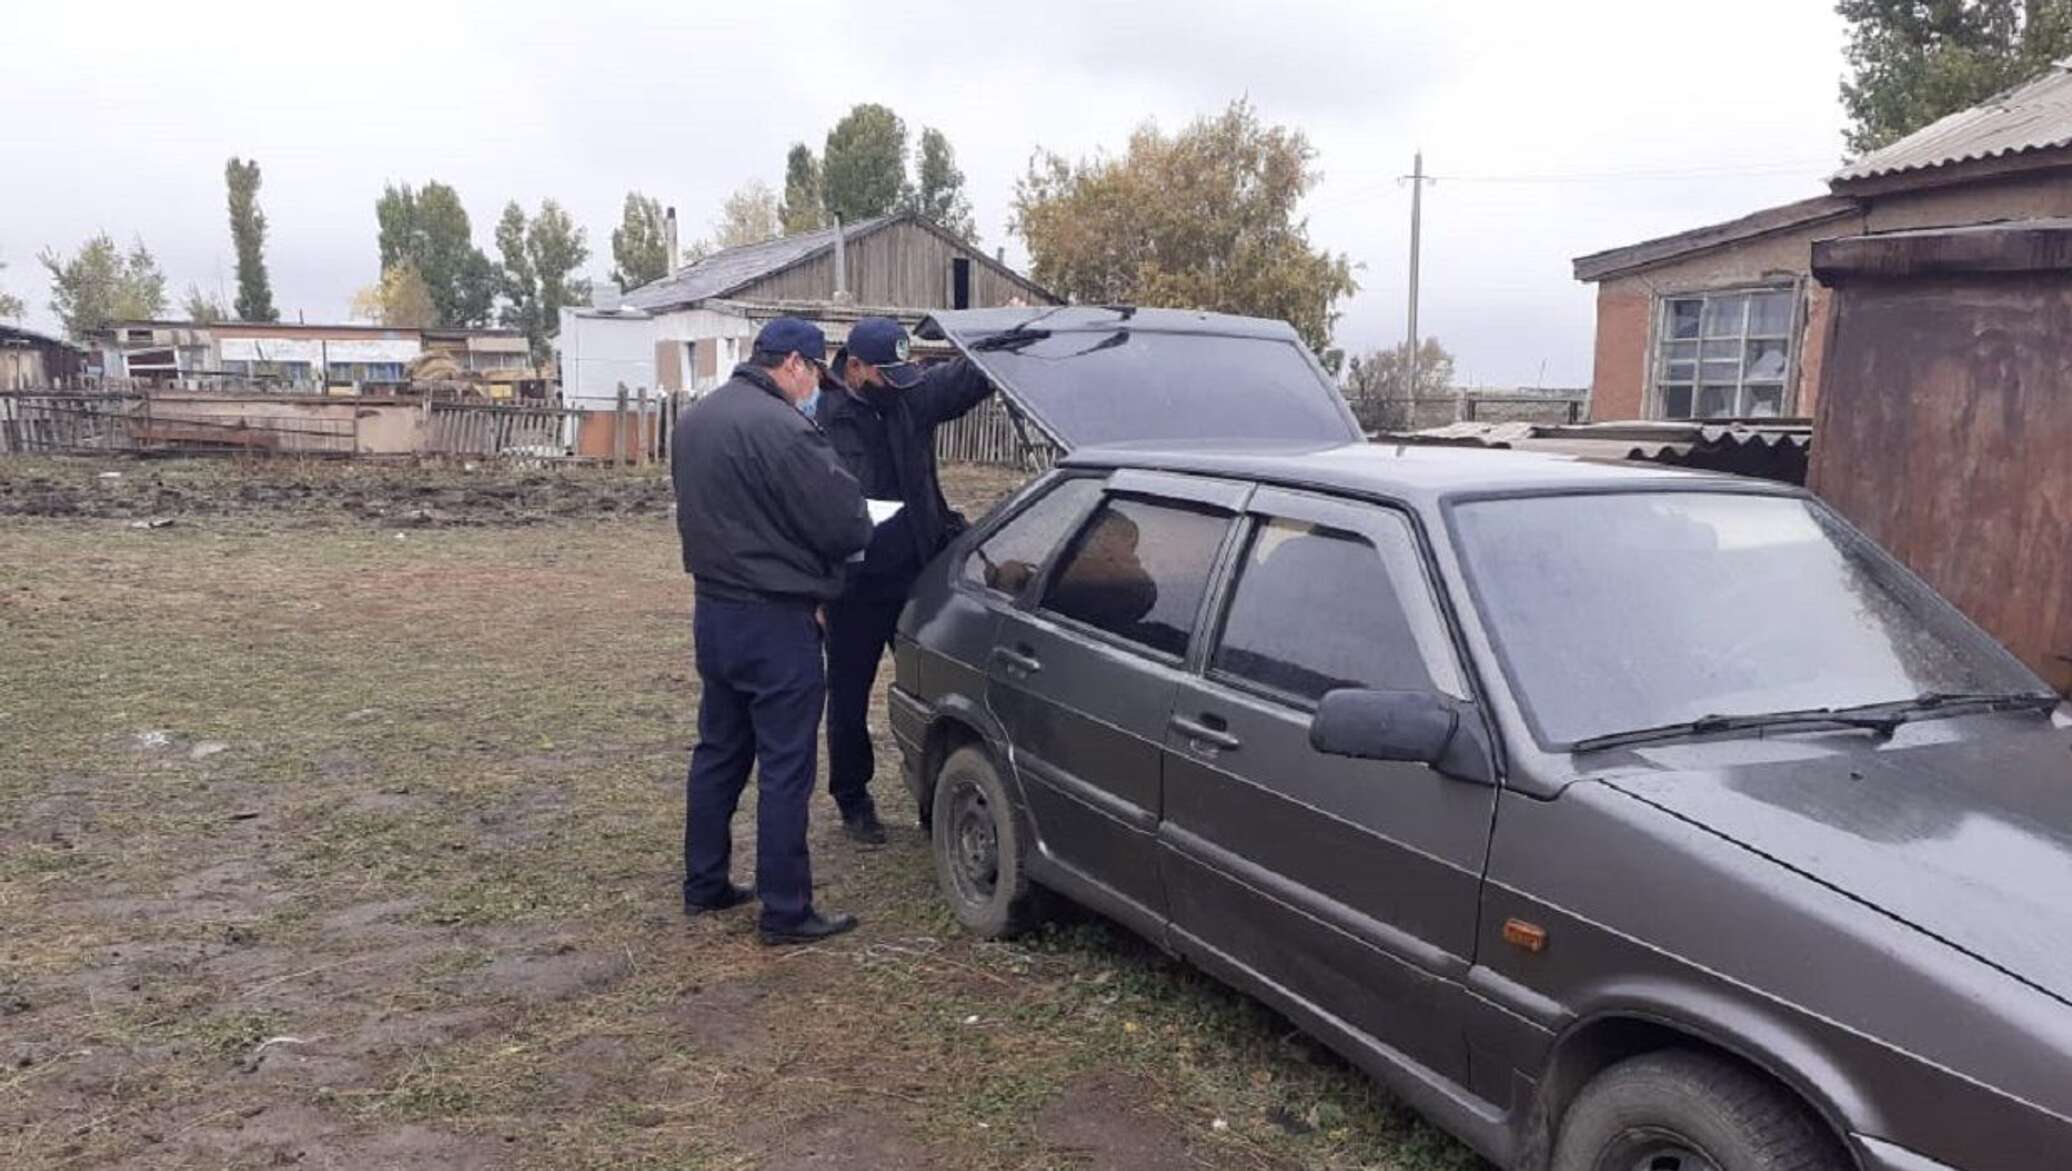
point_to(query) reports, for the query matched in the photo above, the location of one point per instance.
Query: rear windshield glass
(1621, 612)
(1109, 386)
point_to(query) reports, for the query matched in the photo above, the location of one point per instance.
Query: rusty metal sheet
(1944, 426)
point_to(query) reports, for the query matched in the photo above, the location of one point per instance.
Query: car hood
(1961, 827)
(1088, 374)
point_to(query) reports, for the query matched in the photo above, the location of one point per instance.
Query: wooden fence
(101, 423)
(990, 434)
(491, 431)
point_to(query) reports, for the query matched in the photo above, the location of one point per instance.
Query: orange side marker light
(1530, 936)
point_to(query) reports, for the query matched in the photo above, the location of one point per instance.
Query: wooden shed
(35, 361)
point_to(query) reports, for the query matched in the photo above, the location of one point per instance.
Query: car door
(1082, 678)
(1350, 884)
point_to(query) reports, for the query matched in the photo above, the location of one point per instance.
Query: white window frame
(1659, 339)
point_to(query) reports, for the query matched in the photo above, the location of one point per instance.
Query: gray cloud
(121, 119)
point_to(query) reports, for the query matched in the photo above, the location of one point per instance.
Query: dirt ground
(340, 828)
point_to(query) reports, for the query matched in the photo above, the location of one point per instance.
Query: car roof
(1409, 472)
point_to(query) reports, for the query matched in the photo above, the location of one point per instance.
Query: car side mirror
(1414, 726)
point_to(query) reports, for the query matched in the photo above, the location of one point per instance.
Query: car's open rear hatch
(1088, 374)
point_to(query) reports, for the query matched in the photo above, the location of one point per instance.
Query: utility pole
(1417, 183)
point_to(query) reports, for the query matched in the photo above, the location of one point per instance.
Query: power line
(1782, 168)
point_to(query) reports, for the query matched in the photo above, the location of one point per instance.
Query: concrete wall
(598, 353)
(708, 345)
(1622, 376)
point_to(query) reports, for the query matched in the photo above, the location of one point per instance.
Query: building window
(960, 282)
(1725, 355)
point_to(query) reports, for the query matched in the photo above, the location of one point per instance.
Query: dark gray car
(1617, 818)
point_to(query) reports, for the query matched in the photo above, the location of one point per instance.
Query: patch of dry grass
(314, 840)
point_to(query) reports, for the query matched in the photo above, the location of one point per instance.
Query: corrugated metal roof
(724, 272)
(1769, 450)
(2031, 117)
(1642, 436)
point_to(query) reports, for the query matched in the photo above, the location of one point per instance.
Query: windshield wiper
(1881, 718)
(1879, 722)
(1933, 703)
(1015, 337)
(1018, 335)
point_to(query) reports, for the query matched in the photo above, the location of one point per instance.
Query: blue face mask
(809, 405)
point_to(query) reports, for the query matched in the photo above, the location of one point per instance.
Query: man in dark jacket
(881, 417)
(769, 518)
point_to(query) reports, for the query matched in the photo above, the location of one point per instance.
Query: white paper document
(880, 511)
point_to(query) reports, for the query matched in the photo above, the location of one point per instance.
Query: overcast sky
(1610, 121)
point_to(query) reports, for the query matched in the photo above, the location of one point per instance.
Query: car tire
(1677, 1110)
(980, 855)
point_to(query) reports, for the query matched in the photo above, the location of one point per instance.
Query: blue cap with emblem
(883, 343)
(790, 335)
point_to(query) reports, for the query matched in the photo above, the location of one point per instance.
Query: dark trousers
(858, 631)
(760, 668)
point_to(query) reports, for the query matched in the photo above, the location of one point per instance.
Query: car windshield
(1620, 612)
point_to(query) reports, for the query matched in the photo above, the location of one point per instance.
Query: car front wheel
(1681, 1111)
(979, 853)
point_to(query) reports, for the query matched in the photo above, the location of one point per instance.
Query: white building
(690, 329)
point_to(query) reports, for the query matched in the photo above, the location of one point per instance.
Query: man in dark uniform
(881, 413)
(769, 518)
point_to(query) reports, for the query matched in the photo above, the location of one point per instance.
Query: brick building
(1727, 320)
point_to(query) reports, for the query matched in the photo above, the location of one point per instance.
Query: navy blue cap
(882, 342)
(789, 335)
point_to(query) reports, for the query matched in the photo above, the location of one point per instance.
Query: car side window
(1138, 570)
(1007, 560)
(1317, 608)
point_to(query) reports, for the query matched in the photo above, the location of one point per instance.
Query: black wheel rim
(974, 845)
(1656, 1150)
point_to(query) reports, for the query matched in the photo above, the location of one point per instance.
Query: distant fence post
(619, 429)
(640, 430)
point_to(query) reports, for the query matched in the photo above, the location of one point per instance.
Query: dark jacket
(765, 510)
(886, 437)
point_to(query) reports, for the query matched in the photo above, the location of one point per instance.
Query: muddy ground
(334, 839)
(292, 492)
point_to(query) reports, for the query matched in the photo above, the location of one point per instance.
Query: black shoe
(733, 897)
(814, 928)
(865, 828)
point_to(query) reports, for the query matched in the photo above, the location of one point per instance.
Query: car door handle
(1020, 660)
(1206, 731)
